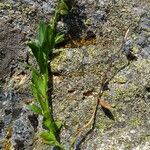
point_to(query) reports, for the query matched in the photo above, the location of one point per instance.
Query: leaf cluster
(42, 48)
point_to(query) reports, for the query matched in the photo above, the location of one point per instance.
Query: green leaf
(50, 124)
(40, 82)
(42, 32)
(39, 88)
(48, 136)
(42, 61)
(63, 8)
(59, 124)
(47, 123)
(45, 36)
(63, 12)
(51, 37)
(38, 97)
(35, 49)
(59, 38)
(35, 93)
(39, 55)
(35, 109)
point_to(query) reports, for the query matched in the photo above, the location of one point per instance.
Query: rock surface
(94, 32)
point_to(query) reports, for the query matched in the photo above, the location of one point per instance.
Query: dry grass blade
(90, 122)
(126, 34)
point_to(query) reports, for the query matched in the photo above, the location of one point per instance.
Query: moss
(77, 57)
(131, 90)
(104, 123)
(135, 49)
(26, 10)
(92, 51)
(141, 64)
(128, 145)
(135, 122)
(121, 93)
(106, 94)
(4, 5)
(88, 22)
(59, 60)
(123, 62)
(147, 137)
(120, 79)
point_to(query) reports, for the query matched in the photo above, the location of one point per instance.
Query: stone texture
(79, 70)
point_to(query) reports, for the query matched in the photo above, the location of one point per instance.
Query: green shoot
(42, 49)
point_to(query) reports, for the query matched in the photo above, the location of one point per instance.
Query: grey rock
(145, 24)
(23, 133)
(98, 17)
(80, 73)
(7, 119)
(128, 46)
(141, 41)
(145, 53)
(148, 41)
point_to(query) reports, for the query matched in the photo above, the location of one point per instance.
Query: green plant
(42, 49)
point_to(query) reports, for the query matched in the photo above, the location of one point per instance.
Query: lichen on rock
(78, 73)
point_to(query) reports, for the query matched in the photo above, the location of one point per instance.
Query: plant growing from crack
(42, 49)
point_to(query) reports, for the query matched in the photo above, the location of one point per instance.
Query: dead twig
(93, 118)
